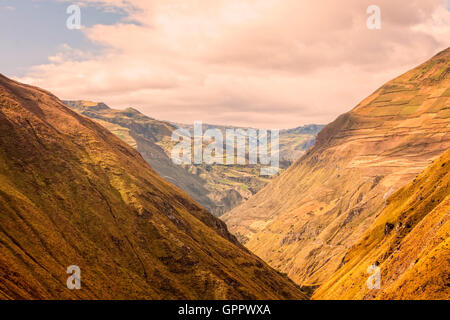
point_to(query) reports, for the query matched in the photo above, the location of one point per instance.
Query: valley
(206, 159)
(218, 188)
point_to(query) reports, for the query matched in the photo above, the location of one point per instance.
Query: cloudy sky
(259, 63)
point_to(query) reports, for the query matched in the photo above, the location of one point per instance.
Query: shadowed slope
(72, 193)
(304, 221)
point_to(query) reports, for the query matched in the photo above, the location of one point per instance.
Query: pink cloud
(264, 63)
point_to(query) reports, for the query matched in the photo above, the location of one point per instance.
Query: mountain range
(218, 188)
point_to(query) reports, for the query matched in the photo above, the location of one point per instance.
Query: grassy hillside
(304, 221)
(409, 241)
(72, 193)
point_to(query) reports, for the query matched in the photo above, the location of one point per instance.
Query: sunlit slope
(72, 193)
(305, 220)
(409, 241)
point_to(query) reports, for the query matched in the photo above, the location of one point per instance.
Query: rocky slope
(218, 188)
(409, 241)
(72, 193)
(304, 221)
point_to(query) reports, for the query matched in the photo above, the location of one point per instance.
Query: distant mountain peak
(84, 105)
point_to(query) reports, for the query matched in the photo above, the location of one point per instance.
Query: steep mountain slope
(218, 188)
(409, 241)
(305, 220)
(72, 193)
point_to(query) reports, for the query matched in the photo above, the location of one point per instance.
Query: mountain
(295, 142)
(218, 188)
(304, 221)
(409, 241)
(73, 194)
